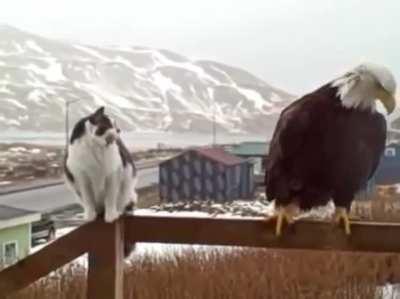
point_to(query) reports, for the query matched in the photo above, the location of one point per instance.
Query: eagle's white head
(360, 87)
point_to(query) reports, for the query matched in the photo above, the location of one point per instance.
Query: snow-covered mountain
(145, 89)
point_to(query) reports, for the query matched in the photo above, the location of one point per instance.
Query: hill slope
(145, 89)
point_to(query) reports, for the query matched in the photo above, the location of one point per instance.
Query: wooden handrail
(46, 260)
(314, 235)
(105, 244)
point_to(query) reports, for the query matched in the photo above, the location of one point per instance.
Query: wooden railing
(105, 245)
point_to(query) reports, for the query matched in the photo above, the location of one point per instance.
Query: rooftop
(219, 155)
(10, 216)
(253, 148)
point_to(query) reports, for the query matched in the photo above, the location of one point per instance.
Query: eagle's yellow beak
(387, 100)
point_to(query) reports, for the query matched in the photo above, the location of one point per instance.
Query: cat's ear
(99, 111)
(96, 115)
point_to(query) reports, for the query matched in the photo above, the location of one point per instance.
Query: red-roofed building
(206, 173)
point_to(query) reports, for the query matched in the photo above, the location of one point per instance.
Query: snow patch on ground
(36, 150)
(17, 149)
(150, 212)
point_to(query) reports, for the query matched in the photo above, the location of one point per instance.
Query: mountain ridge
(145, 89)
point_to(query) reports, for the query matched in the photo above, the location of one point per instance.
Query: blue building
(255, 151)
(388, 171)
(206, 173)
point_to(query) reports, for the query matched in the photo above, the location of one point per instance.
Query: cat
(99, 168)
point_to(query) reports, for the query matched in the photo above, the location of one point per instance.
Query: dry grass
(236, 273)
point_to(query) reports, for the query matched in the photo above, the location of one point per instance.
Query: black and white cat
(99, 168)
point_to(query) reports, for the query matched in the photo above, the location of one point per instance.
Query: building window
(10, 252)
(390, 152)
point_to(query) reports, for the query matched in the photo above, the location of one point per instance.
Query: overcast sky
(295, 45)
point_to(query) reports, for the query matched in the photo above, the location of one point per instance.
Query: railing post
(106, 257)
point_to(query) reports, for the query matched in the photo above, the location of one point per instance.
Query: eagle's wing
(291, 130)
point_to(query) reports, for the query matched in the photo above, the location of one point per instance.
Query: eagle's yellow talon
(282, 216)
(279, 222)
(341, 216)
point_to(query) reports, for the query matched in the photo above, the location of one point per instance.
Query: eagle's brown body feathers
(322, 150)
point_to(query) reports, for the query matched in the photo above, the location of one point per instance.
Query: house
(388, 171)
(15, 233)
(206, 173)
(255, 151)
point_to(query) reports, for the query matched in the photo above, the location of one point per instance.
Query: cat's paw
(90, 215)
(111, 216)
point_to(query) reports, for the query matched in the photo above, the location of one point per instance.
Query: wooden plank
(314, 235)
(106, 260)
(46, 260)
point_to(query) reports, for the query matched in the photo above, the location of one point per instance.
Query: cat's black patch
(100, 120)
(103, 125)
(68, 173)
(79, 130)
(126, 157)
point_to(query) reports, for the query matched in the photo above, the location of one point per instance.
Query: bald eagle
(327, 144)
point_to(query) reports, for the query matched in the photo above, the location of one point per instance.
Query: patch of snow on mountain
(18, 47)
(127, 63)
(9, 122)
(124, 117)
(34, 46)
(227, 77)
(108, 97)
(144, 89)
(275, 98)
(201, 74)
(16, 103)
(91, 52)
(273, 111)
(36, 96)
(165, 84)
(4, 89)
(255, 97)
(53, 73)
(199, 71)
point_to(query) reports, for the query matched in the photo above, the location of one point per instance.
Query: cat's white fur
(101, 181)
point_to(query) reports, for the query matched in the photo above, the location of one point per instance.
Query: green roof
(253, 148)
